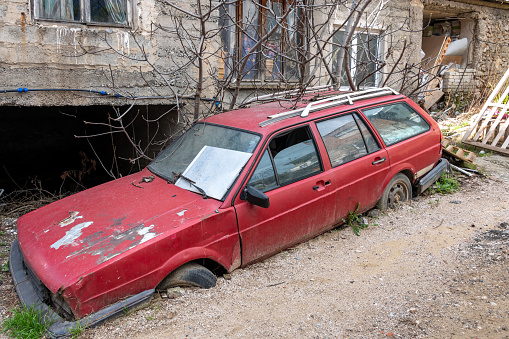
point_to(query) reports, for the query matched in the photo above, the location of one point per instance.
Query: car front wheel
(189, 275)
(399, 189)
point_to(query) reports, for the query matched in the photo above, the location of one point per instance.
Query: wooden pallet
(458, 152)
(490, 128)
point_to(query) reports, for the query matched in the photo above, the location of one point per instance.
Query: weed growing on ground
(26, 323)
(446, 184)
(78, 330)
(354, 220)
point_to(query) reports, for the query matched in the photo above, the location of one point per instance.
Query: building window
(109, 12)
(242, 25)
(363, 58)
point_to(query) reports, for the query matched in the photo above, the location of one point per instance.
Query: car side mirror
(255, 197)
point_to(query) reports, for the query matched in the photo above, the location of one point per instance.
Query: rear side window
(290, 156)
(396, 122)
(346, 138)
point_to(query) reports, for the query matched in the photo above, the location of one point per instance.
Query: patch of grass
(26, 323)
(457, 127)
(354, 220)
(446, 184)
(78, 330)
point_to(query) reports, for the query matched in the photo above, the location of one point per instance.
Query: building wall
(37, 54)
(487, 28)
(41, 54)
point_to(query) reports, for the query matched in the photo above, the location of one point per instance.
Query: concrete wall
(41, 54)
(37, 54)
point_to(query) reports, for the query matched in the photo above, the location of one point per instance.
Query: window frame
(85, 15)
(392, 104)
(266, 149)
(356, 116)
(232, 50)
(355, 52)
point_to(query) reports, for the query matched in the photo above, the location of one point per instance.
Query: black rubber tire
(189, 275)
(399, 189)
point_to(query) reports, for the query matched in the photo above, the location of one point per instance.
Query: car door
(301, 194)
(359, 164)
(411, 142)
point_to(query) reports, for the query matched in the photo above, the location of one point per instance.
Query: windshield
(180, 154)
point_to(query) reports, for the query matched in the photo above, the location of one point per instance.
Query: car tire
(189, 275)
(399, 189)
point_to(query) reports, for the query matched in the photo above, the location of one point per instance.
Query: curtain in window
(117, 11)
(58, 9)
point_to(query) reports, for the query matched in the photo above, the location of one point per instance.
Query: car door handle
(320, 185)
(379, 161)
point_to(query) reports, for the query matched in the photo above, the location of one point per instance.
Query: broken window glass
(396, 122)
(264, 178)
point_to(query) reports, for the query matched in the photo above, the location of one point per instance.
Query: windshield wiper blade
(176, 176)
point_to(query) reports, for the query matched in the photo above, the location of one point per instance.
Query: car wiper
(176, 176)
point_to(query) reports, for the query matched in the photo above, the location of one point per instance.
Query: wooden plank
(432, 97)
(483, 109)
(221, 65)
(457, 152)
(493, 148)
(494, 125)
(501, 133)
(433, 48)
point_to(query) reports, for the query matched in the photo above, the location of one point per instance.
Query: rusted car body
(293, 178)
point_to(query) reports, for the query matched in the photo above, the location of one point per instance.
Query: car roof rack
(328, 103)
(283, 94)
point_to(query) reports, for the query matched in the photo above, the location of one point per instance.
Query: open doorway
(447, 53)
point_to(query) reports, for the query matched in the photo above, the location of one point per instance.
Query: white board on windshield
(213, 170)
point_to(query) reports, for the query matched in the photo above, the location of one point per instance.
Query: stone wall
(488, 32)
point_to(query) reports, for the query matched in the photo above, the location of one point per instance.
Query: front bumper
(28, 295)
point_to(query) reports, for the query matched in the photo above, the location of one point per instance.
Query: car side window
(290, 156)
(396, 122)
(371, 142)
(264, 178)
(344, 140)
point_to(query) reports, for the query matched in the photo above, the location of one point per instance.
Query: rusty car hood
(71, 237)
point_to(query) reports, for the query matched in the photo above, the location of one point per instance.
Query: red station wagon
(236, 188)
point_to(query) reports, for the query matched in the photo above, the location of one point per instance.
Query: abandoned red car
(234, 189)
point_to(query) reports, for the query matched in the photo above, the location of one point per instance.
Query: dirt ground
(436, 267)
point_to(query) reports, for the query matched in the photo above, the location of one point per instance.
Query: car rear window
(396, 122)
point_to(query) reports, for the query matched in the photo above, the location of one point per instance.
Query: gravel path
(437, 267)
